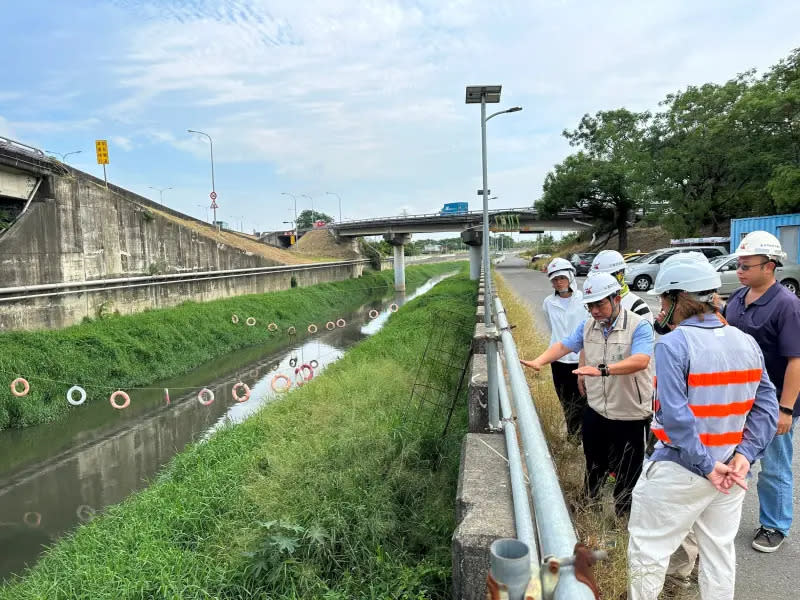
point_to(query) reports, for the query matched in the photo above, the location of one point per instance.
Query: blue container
(784, 227)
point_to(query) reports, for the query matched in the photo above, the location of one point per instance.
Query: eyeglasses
(744, 267)
(596, 304)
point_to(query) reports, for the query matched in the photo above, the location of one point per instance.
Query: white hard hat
(758, 243)
(687, 276)
(691, 256)
(557, 265)
(600, 285)
(608, 261)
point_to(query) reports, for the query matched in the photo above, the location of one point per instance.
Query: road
(759, 575)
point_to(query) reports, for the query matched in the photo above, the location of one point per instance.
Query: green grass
(334, 492)
(121, 352)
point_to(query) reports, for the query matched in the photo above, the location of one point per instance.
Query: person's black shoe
(767, 540)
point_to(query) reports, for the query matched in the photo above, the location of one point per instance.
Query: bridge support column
(398, 242)
(473, 238)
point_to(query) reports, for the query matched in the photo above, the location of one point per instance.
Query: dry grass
(595, 522)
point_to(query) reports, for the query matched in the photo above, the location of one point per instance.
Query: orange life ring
(330, 325)
(124, 396)
(234, 392)
(206, 392)
(341, 322)
(308, 368)
(26, 387)
(373, 314)
(250, 322)
(292, 330)
(166, 396)
(312, 329)
(393, 307)
(272, 327)
(234, 319)
(280, 377)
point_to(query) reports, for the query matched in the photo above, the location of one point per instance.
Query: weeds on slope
(134, 350)
(331, 493)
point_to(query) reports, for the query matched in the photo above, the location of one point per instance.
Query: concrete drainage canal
(53, 477)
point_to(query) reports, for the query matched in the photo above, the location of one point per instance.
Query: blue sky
(364, 99)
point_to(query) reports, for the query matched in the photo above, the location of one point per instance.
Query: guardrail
(452, 216)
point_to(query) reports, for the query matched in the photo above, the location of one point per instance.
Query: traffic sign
(213, 195)
(214, 204)
(101, 149)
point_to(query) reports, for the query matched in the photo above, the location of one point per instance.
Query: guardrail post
(509, 569)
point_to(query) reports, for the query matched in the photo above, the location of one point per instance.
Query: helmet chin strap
(663, 326)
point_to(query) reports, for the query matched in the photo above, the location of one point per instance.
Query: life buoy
(205, 392)
(293, 361)
(373, 314)
(314, 364)
(280, 377)
(166, 396)
(341, 322)
(272, 327)
(124, 396)
(330, 325)
(250, 321)
(32, 519)
(312, 329)
(235, 392)
(393, 307)
(26, 387)
(292, 330)
(234, 319)
(305, 367)
(71, 391)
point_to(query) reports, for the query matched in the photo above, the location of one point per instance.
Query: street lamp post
(213, 188)
(64, 156)
(484, 94)
(312, 207)
(295, 207)
(340, 204)
(160, 193)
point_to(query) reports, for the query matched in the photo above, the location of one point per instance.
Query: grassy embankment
(596, 523)
(126, 351)
(339, 490)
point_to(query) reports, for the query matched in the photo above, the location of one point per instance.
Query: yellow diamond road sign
(101, 147)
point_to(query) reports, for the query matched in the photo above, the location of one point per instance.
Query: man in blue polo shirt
(771, 314)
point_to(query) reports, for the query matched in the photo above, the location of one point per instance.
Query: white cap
(691, 276)
(608, 261)
(600, 285)
(557, 265)
(761, 242)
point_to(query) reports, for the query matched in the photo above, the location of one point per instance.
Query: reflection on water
(55, 476)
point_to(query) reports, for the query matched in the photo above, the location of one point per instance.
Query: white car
(787, 274)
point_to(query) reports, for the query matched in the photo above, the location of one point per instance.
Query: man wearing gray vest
(618, 345)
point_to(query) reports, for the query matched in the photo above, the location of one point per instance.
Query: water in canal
(55, 476)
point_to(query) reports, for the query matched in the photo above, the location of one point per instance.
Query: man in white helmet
(618, 345)
(771, 314)
(715, 413)
(611, 261)
(564, 311)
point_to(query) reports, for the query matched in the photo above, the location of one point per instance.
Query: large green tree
(307, 218)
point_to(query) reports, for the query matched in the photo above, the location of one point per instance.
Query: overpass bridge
(397, 230)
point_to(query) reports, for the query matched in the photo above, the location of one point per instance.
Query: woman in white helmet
(715, 413)
(564, 311)
(611, 261)
(618, 345)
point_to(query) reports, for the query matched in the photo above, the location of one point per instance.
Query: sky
(362, 99)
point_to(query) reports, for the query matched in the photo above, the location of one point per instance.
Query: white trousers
(668, 501)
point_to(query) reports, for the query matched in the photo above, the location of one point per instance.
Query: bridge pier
(474, 239)
(398, 241)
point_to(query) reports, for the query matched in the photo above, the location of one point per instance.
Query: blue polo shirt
(774, 321)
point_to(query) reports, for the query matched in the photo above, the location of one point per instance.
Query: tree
(307, 218)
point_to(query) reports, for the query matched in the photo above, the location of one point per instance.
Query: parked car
(536, 257)
(632, 256)
(582, 262)
(640, 275)
(787, 274)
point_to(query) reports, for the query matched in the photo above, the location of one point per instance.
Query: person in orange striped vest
(715, 413)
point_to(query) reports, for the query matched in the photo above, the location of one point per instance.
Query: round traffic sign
(213, 195)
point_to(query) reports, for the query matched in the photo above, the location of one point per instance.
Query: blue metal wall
(741, 227)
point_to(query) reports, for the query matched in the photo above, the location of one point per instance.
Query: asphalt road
(758, 575)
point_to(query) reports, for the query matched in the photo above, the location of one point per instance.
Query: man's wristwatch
(603, 369)
(785, 409)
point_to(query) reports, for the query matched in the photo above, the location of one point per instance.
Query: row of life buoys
(302, 374)
(312, 329)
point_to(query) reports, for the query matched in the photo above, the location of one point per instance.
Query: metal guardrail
(555, 532)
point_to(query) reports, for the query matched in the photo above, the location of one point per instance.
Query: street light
(295, 205)
(64, 156)
(160, 193)
(340, 204)
(483, 94)
(312, 206)
(213, 189)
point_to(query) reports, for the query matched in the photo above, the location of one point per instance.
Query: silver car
(641, 274)
(788, 275)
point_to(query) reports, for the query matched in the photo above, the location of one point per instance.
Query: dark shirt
(774, 321)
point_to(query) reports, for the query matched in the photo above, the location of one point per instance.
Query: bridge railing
(473, 214)
(552, 535)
